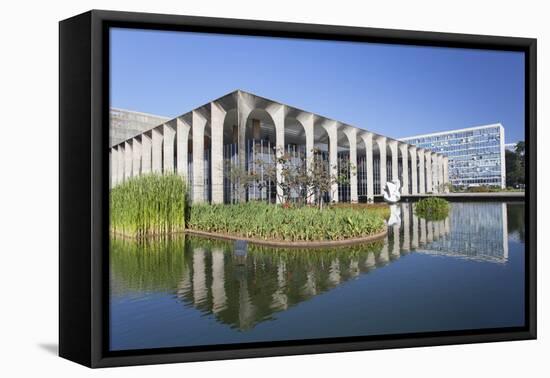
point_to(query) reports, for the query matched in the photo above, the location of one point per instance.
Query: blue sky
(393, 90)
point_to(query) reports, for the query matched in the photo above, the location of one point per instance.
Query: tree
(515, 165)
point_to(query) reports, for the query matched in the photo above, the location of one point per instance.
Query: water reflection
(243, 291)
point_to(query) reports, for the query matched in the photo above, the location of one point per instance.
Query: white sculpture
(391, 191)
(395, 215)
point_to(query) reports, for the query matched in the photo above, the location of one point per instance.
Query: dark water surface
(465, 272)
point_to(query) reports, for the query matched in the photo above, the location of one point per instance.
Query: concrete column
(381, 141)
(367, 139)
(120, 169)
(111, 170)
(168, 145)
(199, 124)
(435, 164)
(217, 117)
(440, 172)
(182, 140)
(308, 125)
(136, 156)
(243, 111)
(394, 160)
(421, 171)
(414, 170)
(278, 116)
(333, 157)
(146, 153)
(114, 166)
(429, 186)
(351, 133)
(127, 160)
(156, 150)
(446, 172)
(405, 162)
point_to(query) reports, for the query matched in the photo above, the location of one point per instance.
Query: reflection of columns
(447, 225)
(156, 147)
(278, 116)
(505, 230)
(334, 272)
(394, 160)
(414, 170)
(111, 180)
(423, 239)
(145, 154)
(168, 145)
(421, 172)
(405, 164)
(381, 142)
(429, 175)
(429, 226)
(384, 256)
(136, 157)
(182, 147)
(414, 242)
(351, 133)
(333, 157)
(406, 230)
(367, 139)
(199, 125)
(396, 240)
(127, 160)
(435, 176)
(279, 297)
(199, 276)
(436, 230)
(370, 260)
(217, 116)
(219, 296)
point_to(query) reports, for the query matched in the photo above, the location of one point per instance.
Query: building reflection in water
(244, 291)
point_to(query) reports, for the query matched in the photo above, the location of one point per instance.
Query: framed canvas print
(234, 188)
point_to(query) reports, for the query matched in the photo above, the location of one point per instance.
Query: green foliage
(515, 166)
(149, 205)
(272, 222)
(432, 208)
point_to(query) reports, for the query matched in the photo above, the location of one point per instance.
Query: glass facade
(476, 155)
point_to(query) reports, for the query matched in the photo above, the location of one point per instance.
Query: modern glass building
(476, 154)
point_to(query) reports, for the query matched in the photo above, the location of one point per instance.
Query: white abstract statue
(391, 191)
(395, 215)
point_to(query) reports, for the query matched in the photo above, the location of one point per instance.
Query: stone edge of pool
(293, 244)
(273, 243)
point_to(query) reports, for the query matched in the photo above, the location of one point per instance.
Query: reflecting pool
(463, 272)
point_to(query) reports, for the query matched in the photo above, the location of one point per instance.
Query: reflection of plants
(432, 208)
(265, 221)
(149, 204)
(154, 264)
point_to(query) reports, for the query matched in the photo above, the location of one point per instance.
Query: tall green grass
(271, 222)
(149, 205)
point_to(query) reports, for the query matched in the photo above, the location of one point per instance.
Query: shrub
(433, 208)
(273, 222)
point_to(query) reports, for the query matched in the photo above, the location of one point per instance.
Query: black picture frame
(83, 182)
